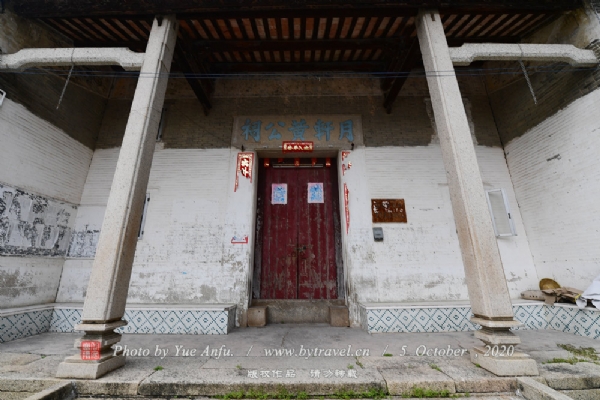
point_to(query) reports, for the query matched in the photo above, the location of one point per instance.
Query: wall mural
(32, 225)
(83, 243)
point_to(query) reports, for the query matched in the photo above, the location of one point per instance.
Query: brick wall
(551, 150)
(186, 126)
(554, 168)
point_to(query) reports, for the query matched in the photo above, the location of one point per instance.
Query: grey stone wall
(186, 126)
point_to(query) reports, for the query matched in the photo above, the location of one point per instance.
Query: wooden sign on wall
(388, 210)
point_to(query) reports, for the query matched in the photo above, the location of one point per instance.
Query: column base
(519, 364)
(75, 368)
(96, 357)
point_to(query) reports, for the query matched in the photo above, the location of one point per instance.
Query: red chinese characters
(90, 350)
(297, 147)
(347, 210)
(245, 162)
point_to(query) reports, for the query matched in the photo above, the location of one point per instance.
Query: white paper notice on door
(279, 193)
(315, 192)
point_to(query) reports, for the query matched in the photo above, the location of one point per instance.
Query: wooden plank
(317, 273)
(357, 66)
(279, 266)
(297, 44)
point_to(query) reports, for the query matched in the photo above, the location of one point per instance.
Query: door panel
(298, 240)
(316, 262)
(279, 256)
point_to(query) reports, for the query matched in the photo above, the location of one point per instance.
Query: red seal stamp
(90, 350)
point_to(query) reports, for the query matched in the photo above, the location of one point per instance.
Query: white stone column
(106, 296)
(486, 282)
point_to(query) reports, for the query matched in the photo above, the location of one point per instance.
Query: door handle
(301, 248)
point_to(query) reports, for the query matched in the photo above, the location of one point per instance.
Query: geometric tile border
(166, 322)
(211, 321)
(565, 318)
(220, 321)
(17, 326)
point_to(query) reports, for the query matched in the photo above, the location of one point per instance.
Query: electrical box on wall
(378, 234)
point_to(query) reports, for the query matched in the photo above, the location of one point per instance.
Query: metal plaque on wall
(388, 210)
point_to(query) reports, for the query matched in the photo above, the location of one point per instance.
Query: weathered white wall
(421, 260)
(555, 171)
(40, 158)
(185, 255)
(50, 167)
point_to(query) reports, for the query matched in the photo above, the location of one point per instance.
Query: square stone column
(486, 282)
(106, 296)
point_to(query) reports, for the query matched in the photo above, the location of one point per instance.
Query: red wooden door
(298, 239)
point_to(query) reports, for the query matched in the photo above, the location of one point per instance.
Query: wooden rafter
(402, 65)
(258, 67)
(192, 69)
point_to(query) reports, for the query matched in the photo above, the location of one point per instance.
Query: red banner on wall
(297, 147)
(245, 162)
(347, 210)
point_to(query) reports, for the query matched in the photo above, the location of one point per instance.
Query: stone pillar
(486, 282)
(104, 305)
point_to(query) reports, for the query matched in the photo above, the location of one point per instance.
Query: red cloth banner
(245, 162)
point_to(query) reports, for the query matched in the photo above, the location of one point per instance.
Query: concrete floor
(30, 364)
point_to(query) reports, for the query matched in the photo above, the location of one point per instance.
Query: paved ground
(240, 363)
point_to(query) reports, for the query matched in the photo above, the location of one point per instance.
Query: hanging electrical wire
(65, 87)
(528, 81)
(553, 69)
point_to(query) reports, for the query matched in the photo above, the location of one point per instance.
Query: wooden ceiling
(237, 36)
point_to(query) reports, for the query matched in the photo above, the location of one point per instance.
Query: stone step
(297, 311)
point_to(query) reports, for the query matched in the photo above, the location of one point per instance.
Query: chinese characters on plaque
(298, 130)
(297, 147)
(297, 133)
(388, 210)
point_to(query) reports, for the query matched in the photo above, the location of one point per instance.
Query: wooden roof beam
(191, 69)
(410, 60)
(89, 8)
